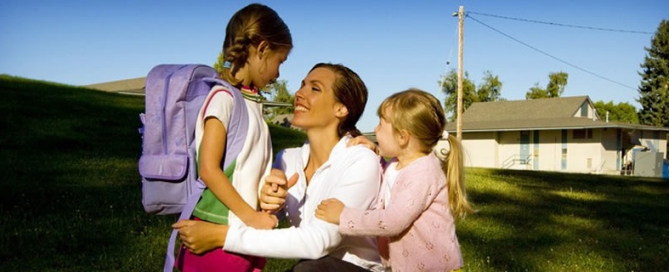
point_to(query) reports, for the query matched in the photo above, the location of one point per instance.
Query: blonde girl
(421, 195)
(257, 42)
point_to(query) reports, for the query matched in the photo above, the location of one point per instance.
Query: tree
(654, 87)
(555, 87)
(536, 92)
(218, 65)
(279, 93)
(556, 84)
(622, 112)
(489, 90)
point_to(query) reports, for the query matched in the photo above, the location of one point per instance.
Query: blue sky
(393, 45)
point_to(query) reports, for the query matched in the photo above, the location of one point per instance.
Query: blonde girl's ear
(402, 136)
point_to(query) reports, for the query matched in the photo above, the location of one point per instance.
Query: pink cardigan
(418, 222)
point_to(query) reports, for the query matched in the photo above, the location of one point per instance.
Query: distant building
(133, 86)
(553, 134)
(285, 120)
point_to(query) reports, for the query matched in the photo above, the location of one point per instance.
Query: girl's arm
(357, 185)
(211, 153)
(411, 195)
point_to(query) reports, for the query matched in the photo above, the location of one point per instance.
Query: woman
(328, 104)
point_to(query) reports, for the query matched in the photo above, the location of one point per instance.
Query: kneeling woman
(328, 104)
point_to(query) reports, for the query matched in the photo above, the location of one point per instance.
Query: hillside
(70, 189)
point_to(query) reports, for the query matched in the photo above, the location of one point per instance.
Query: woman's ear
(340, 110)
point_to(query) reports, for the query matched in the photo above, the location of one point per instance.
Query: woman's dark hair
(351, 91)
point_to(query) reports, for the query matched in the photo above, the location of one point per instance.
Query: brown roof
(127, 85)
(534, 114)
(532, 109)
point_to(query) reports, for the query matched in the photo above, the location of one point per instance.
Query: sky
(392, 45)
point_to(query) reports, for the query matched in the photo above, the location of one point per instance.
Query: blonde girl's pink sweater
(417, 222)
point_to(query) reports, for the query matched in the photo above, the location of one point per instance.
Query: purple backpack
(168, 164)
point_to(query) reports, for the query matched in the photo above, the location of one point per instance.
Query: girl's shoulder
(427, 164)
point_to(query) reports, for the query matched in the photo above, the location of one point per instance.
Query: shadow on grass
(539, 221)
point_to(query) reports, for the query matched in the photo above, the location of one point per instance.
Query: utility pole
(461, 14)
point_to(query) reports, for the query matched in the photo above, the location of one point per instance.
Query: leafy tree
(556, 84)
(622, 112)
(536, 92)
(279, 93)
(654, 88)
(218, 65)
(449, 86)
(490, 90)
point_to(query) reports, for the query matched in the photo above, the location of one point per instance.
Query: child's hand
(329, 210)
(201, 236)
(273, 193)
(263, 220)
(362, 140)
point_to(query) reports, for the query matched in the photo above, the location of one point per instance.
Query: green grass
(541, 221)
(70, 198)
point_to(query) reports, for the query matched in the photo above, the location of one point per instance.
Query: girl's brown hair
(420, 114)
(248, 27)
(351, 91)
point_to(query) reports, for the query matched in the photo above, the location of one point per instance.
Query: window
(584, 110)
(582, 134)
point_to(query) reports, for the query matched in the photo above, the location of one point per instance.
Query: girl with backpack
(421, 195)
(257, 42)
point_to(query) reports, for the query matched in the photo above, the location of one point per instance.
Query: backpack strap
(235, 137)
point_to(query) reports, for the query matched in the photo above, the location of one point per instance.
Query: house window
(584, 110)
(582, 133)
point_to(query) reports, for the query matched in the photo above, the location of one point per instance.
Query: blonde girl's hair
(420, 113)
(248, 27)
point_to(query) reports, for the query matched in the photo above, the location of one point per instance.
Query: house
(556, 134)
(284, 120)
(133, 86)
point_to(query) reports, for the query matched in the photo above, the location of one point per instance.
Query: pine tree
(654, 88)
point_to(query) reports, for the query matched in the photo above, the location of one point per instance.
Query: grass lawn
(70, 198)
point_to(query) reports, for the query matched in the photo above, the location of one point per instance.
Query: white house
(553, 134)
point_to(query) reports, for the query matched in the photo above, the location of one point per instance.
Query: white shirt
(389, 177)
(351, 175)
(255, 159)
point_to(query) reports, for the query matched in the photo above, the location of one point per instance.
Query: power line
(549, 55)
(564, 25)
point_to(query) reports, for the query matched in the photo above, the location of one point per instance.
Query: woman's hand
(362, 140)
(275, 190)
(329, 210)
(263, 220)
(199, 236)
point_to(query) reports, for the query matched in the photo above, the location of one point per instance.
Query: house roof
(133, 85)
(533, 109)
(534, 114)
